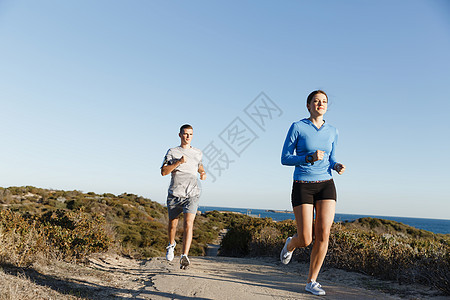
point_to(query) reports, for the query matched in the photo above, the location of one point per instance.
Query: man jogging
(183, 163)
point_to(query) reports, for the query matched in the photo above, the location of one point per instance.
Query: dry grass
(35, 255)
(65, 234)
(59, 279)
(23, 248)
(19, 286)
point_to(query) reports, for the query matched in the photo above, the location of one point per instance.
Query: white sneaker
(285, 255)
(184, 262)
(170, 249)
(315, 288)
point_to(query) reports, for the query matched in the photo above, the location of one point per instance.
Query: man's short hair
(185, 126)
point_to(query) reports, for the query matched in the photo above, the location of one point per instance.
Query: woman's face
(318, 105)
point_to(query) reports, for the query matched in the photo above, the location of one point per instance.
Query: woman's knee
(302, 241)
(322, 234)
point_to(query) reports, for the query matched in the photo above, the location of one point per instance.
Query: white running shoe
(184, 262)
(170, 249)
(315, 288)
(285, 255)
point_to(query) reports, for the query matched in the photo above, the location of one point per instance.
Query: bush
(404, 259)
(69, 235)
(75, 234)
(21, 242)
(140, 224)
(252, 236)
(381, 248)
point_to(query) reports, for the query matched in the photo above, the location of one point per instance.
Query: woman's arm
(288, 158)
(338, 167)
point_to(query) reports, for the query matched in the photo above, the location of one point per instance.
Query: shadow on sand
(88, 290)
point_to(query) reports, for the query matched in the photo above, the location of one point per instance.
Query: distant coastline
(432, 225)
(280, 211)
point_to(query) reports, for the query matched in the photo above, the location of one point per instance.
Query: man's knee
(188, 224)
(173, 222)
(189, 220)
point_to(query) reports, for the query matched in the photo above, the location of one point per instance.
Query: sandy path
(227, 278)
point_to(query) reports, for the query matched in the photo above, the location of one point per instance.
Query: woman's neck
(317, 121)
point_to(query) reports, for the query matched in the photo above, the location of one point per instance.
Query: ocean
(433, 225)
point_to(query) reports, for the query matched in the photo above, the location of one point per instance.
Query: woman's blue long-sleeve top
(303, 139)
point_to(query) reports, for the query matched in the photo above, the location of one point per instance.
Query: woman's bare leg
(304, 219)
(325, 210)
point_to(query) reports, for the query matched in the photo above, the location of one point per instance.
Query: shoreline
(436, 226)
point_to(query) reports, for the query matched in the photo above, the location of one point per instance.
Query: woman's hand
(318, 155)
(340, 168)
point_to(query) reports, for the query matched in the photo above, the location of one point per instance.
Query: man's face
(186, 136)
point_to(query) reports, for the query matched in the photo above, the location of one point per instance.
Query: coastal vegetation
(381, 248)
(42, 225)
(131, 225)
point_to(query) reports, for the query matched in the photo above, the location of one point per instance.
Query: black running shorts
(310, 192)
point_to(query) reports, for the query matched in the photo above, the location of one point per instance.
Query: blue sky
(93, 94)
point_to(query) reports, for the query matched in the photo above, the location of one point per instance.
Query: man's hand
(203, 176)
(167, 169)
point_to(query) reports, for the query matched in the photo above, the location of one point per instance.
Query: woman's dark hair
(311, 96)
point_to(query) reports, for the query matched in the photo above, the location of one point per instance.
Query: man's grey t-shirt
(184, 182)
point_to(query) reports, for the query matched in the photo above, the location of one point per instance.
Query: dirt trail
(116, 277)
(228, 278)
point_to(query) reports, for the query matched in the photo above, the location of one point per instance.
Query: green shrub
(75, 234)
(255, 236)
(21, 242)
(70, 235)
(381, 248)
(140, 224)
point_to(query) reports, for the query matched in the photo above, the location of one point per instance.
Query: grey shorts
(176, 205)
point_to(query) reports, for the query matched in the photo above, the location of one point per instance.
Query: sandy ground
(116, 277)
(243, 278)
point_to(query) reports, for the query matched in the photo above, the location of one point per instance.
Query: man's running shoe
(170, 249)
(285, 255)
(314, 288)
(184, 262)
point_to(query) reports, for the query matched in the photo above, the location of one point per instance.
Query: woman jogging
(310, 146)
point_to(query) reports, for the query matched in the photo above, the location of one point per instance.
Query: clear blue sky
(93, 94)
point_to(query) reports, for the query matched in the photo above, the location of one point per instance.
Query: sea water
(433, 225)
